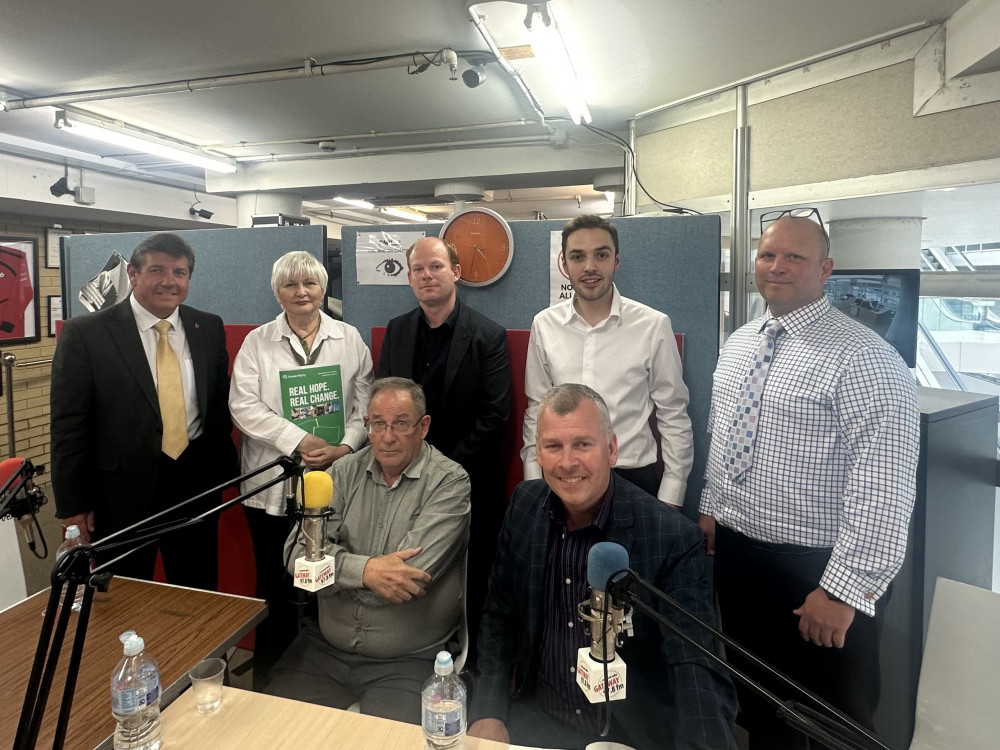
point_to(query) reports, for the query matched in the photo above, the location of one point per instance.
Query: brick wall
(30, 386)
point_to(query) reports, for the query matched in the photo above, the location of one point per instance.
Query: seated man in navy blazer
(676, 698)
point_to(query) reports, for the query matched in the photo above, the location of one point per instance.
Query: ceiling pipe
(522, 140)
(502, 62)
(309, 69)
(376, 134)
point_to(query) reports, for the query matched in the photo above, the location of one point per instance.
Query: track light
(60, 188)
(474, 76)
(202, 212)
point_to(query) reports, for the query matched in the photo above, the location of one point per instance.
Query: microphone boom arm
(74, 569)
(836, 730)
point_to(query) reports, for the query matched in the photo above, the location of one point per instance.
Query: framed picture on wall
(19, 319)
(55, 313)
(52, 236)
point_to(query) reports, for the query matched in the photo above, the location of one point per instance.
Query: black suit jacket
(476, 386)
(676, 697)
(106, 426)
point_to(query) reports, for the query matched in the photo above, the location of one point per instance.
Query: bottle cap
(443, 664)
(72, 532)
(133, 643)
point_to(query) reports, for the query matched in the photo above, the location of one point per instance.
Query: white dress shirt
(145, 320)
(631, 359)
(255, 396)
(835, 453)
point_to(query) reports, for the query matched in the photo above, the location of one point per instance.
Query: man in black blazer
(108, 466)
(526, 694)
(460, 359)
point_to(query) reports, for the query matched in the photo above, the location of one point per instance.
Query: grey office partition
(668, 263)
(232, 272)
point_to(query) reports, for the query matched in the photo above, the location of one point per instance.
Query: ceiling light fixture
(354, 202)
(557, 47)
(119, 134)
(402, 213)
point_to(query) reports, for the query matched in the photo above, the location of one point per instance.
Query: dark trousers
(268, 534)
(643, 477)
(190, 555)
(759, 584)
(313, 671)
(488, 508)
(528, 724)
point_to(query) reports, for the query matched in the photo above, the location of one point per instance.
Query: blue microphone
(606, 620)
(605, 559)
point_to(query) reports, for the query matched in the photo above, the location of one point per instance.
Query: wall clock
(484, 243)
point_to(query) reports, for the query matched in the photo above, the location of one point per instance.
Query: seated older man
(530, 631)
(398, 535)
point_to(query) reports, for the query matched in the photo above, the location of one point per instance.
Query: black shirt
(430, 360)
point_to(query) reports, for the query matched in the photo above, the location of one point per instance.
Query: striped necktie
(739, 455)
(171, 394)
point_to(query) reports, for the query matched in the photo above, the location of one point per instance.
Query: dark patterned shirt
(563, 634)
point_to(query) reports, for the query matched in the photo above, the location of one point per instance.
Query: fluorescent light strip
(107, 134)
(355, 202)
(552, 50)
(400, 213)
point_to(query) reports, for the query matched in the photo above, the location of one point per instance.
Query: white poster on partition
(381, 256)
(559, 287)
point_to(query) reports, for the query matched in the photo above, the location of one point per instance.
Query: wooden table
(253, 721)
(181, 627)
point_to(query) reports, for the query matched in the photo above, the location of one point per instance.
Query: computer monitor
(885, 300)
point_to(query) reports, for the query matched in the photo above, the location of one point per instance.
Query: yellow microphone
(314, 570)
(317, 489)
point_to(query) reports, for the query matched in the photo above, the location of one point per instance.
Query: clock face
(484, 243)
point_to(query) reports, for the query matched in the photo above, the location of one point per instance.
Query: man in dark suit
(676, 698)
(459, 358)
(123, 448)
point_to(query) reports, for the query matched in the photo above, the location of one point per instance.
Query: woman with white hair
(299, 388)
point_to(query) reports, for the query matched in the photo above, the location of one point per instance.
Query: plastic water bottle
(72, 540)
(135, 697)
(444, 709)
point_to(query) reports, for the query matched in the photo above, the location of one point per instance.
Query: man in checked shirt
(808, 537)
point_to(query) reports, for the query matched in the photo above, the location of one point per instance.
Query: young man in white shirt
(623, 350)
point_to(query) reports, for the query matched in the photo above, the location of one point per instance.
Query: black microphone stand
(32, 499)
(75, 569)
(828, 726)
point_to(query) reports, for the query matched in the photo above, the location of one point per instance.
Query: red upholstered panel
(510, 454)
(237, 573)
(237, 570)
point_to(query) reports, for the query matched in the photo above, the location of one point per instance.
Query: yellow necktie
(171, 394)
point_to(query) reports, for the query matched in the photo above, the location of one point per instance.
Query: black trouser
(643, 477)
(759, 584)
(528, 724)
(268, 534)
(190, 555)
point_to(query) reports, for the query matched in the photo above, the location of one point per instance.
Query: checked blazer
(676, 697)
